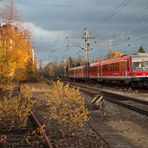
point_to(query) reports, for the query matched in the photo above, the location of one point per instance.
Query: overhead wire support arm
(87, 48)
(76, 45)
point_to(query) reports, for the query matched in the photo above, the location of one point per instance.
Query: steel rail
(115, 98)
(38, 124)
(16, 137)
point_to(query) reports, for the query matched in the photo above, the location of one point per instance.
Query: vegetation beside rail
(66, 108)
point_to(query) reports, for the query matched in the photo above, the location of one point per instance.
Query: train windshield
(140, 64)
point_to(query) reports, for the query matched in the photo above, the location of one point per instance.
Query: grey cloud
(130, 21)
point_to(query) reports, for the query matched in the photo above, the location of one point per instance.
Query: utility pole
(87, 49)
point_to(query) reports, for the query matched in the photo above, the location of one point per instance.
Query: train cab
(140, 68)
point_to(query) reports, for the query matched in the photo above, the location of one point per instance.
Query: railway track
(25, 137)
(131, 103)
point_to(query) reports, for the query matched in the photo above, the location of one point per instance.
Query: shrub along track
(88, 137)
(30, 135)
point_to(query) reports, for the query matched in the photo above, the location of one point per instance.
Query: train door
(124, 68)
(98, 70)
(74, 73)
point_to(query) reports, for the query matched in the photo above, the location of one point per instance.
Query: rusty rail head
(38, 124)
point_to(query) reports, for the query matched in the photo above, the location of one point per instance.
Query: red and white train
(129, 69)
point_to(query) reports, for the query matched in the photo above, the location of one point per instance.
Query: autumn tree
(17, 48)
(54, 69)
(6, 66)
(16, 52)
(141, 50)
(72, 61)
(115, 54)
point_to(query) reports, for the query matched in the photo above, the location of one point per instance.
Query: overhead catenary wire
(57, 5)
(129, 28)
(123, 4)
(110, 15)
(76, 44)
(106, 18)
(138, 24)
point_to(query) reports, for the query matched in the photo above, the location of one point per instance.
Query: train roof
(139, 55)
(125, 57)
(108, 61)
(95, 63)
(122, 58)
(78, 67)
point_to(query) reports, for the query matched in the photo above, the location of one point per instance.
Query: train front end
(140, 70)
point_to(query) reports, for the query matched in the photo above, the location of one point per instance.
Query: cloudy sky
(117, 25)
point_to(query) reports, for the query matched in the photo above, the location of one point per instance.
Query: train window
(104, 68)
(117, 66)
(125, 65)
(110, 67)
(113, 67)
(94, 69)
(140, 66)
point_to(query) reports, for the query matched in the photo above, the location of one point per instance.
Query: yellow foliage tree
(115, 54)
(67, 107)
(6, 66)
(17, 49)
